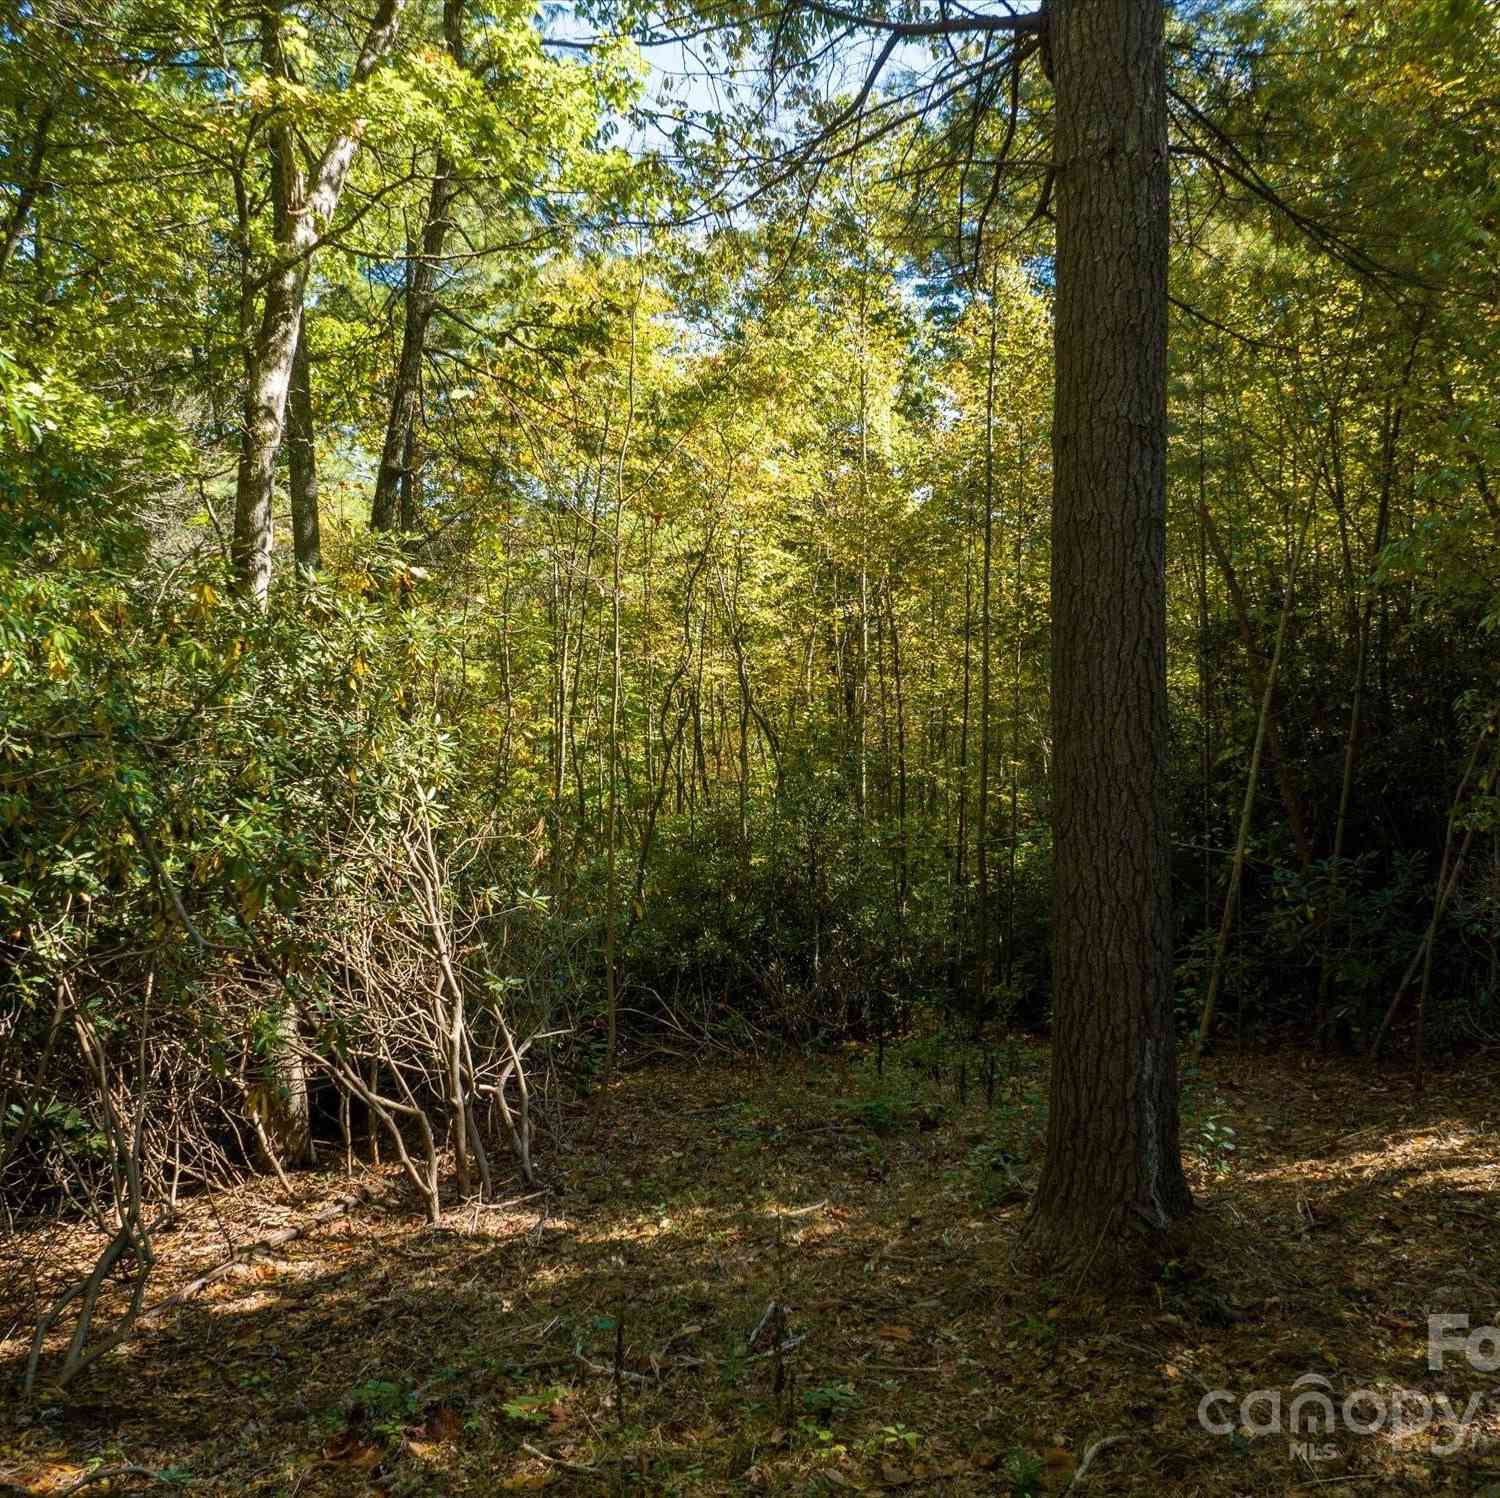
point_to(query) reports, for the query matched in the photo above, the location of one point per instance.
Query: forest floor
(378, 1355)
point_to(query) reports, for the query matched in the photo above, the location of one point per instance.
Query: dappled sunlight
(916, 1350)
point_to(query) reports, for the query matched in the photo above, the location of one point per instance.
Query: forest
(749, 746)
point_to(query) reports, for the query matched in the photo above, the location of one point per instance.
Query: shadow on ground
(881, 1215)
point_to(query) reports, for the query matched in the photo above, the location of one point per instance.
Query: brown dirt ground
(379, 1355)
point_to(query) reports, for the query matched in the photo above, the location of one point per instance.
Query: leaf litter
(802, 1289)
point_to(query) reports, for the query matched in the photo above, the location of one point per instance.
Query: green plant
(1207, 1135)
(1213, 1144)
(1024, 1473)
(888, 1436)
(532, 1409)
(1038, 1328)
(829, 1400)
(994, 1166)
(384, 1406)
(881, 1114)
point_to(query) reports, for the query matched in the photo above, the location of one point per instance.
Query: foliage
(715, 651)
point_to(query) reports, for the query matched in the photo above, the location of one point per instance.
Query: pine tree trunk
(1113, 1171)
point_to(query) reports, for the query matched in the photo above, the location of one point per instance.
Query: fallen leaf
(1059, 1465)
(894, 1333)
(345, 1446)
(445, 1424)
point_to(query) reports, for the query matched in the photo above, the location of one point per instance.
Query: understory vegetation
(528, 567)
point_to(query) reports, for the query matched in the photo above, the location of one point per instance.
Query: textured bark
(305, 205)
(1113, 1167)
(288, 1121)
(394, 481)
(393, 477)
(302, 460)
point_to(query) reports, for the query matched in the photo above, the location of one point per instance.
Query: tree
(392, 505)
(1113, 1162)
(306, 201)
(1113, 1158)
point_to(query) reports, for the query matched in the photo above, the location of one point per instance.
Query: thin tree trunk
(986, 654)
(305, 204)
(302, 460)
(1291, 801)
(961, 834)
(612, 907)
(394, 474)
(31, 185)
(1247, 808)
(1448, 875)
(902, 848)
(1018, 626)
(395, 478)
(1364, 618)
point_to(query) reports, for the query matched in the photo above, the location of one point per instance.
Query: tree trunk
(305, 205)
(1113, 1171)
(421, 301)
(982, 973)
(1255, 663)
(393, 479)
(288, 1121)
(302, 460)
(30, 186)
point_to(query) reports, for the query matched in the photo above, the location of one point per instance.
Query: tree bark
(302, 460)
(393, 480)
(305, 205)
(30, 185)
(393, 475)
(1113, 1172)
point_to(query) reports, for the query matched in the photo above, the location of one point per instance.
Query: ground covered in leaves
(801, 1277)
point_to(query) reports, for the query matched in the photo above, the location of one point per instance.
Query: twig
(620, 1365)
(1088, 1458)
(607, 1372)
(1318, 1482)
(1474, 1212)
(557, 1461)
(514, 1201)
(123, 1469)
(780, 1347)
(767, 1316)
